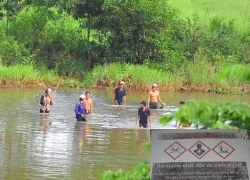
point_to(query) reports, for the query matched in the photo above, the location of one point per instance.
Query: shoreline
(185, 88)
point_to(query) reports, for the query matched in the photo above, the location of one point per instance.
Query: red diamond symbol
(199, 149)
(223, 149)
(175, 150)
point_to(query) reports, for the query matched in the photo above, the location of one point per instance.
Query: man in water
(119, 96)
(80, 109)
(45, 101)
(154, 97)
(88, 103)
(143, 115)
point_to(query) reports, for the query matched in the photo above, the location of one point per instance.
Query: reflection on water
(55, 146)
(45, 123)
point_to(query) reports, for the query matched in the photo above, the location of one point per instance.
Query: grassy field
(238, 10)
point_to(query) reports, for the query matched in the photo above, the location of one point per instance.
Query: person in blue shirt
(143, 115)
(80, 109)
(119, 96)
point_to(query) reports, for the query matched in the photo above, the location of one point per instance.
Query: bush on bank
(71, 38)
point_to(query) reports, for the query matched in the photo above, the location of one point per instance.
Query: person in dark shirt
(80, 109)
(143, 115)
(119, 96)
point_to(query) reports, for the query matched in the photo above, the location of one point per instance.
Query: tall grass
(201, 74)
(207, 9)
(134, 75)
(21, 75)
(18, 73)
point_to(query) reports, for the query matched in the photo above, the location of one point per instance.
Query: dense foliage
(71, 37)
(213, 115)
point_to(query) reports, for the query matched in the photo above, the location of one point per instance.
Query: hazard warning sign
(175, 150)
(223, 149)
(199, 149)
(199, 154)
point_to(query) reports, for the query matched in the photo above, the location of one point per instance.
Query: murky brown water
(57, 147)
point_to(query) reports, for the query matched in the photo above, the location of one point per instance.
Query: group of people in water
(85, 105)
(119, 98)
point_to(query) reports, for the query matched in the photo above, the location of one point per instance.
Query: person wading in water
(80, 109)
(119, 96)
(88, 103)
(143, 115)
(45, 101)
(154, 98)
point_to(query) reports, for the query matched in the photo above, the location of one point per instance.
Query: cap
(122, 82)
(83, 96)
(47, 90)
(154, 85)
(144, 103)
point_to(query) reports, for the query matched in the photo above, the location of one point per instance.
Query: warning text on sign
(200, 170)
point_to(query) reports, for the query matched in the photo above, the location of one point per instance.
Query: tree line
(72, 37)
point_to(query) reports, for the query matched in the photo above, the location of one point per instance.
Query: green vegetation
(207, 9)
(213, 115)
(141, 171)
(23, 75)
(71, 38)
(192, 75)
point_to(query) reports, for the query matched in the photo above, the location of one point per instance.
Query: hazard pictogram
(199, 149)
(223, 149)
(175, 150)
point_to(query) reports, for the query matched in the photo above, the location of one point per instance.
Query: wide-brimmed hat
(122, 82)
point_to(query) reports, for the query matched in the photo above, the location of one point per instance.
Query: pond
(55, 146)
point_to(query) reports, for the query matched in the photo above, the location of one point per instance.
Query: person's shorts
(118, 102)
(143, 125)
(46, 111)
(153, 105)
(82, 119)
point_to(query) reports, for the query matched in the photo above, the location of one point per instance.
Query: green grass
(200, 75)
(134, 75)
(239, 10)
(22, 75)
(18, 73)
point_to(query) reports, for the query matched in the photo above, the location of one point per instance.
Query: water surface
(57, 147)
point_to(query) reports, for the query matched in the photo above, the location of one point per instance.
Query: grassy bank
(201, 76)
(27, 75)
(207, 9)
